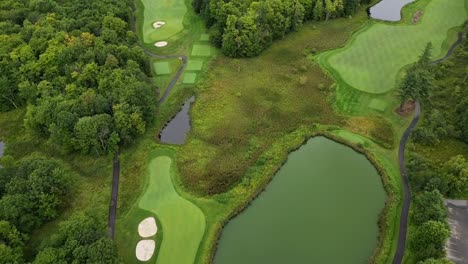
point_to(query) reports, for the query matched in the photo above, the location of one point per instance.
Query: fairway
(170, 11)
(370, 62)
(182, 223)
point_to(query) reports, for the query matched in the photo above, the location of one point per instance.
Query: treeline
(244, 28)
(77, 68)
(32, 192)
(441, 90)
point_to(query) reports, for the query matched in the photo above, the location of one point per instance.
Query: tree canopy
(77, 67)
(245, 28)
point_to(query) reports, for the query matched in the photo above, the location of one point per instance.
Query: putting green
(170, 11)
(194, 65)
(189, 78)
(161, 67)
(370, 62)
(183, 223)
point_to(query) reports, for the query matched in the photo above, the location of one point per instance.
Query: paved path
(114, 196)
(398, 258)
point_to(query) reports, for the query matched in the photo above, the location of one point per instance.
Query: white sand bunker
(145, 250)
(159, 24)
(160, 44)
(147, 227)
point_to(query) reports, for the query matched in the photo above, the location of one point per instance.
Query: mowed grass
(194, 65)
(372, 60)
(182, 222)
(161, 67)
(170, 11)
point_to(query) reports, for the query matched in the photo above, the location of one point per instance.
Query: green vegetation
(246, 28)
(372, 60)
(83, 78)
(161, 67)
(179, 218)
(169, 11)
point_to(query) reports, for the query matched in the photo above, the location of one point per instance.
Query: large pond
(321, 207)
(388, 10)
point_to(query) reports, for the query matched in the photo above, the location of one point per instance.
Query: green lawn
(194, 65)
(170, 11)
(182, 223)
(371, 61)
(161, 67)
(189, 78)
(201, 50)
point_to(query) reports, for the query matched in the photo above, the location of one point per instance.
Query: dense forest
(435, 174)
(86, 87)
(244, 28)
(77, 68)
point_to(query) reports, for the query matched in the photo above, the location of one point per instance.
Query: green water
(321, 207)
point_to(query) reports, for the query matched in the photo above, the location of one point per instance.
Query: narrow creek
(2, 148)
(322, 206)
(388, 10)
(176, 130)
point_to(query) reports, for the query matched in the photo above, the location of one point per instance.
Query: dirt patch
(407, 108)
(417, 16)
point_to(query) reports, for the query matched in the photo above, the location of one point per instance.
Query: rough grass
(244, 105)
(180, 219)
(372, 60)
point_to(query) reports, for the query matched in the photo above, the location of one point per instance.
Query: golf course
(180, 220)
(373, 58)
(232, 131)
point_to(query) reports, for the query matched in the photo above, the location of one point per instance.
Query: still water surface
(321, 207)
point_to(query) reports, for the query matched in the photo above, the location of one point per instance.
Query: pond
(177, 129)
(321, 207)
(388, 10)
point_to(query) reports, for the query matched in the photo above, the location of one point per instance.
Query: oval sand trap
(147, 227)
(159, 24)
(160, 44)
(145, 249)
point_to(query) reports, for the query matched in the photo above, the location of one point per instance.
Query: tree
(429, 239)
(428, 206)
(330, 9)
(11, 244)
(318, 10)
(81, 239)
(455, 173)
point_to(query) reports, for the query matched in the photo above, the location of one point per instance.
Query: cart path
(400, 252)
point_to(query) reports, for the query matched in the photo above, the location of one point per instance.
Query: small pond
(177, 129)
(321, 207)
(388, 10)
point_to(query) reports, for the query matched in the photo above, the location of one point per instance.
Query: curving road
(400, 252)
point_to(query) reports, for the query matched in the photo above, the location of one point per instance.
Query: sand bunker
(145, 250)
(159, 24)
(147, 227)
(160, 44)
